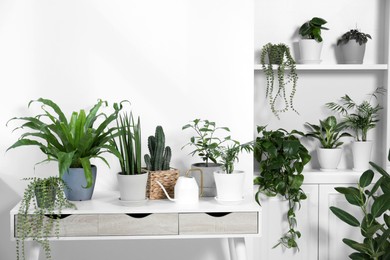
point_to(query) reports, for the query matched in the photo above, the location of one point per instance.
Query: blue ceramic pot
(75, 180)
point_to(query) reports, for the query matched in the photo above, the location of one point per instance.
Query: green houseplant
(328, 132)
(374, 203)
(39, 213)
(206, 141)
(360, 118)
(72, 143)
(310, 45)
(279, 55)
(281, 158)
(127, 148)
(158, 164)
(353, 46)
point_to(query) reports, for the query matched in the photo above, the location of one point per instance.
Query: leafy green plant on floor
(374, 203)
(281, 158)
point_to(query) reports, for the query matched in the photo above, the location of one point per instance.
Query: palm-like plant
(71, 143)
(229, 154)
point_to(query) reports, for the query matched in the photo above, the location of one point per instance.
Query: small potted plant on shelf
(360, 118)
(230, 182)
(206, 143)
(158, 164)
(279, 55)
(39, 213)
(71, 143)
(328, 132)
(353, 46)
(374, 201)
(281, 158)
(310, 45)
(127, 143)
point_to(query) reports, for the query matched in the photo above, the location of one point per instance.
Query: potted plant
(230, 182)
(279, 55)
(281, 158)
(353, 46)
(206, 144)
(310, 45)
(360, 118)
(158, 164)
(132, 178)
(374, 201)
(39, 213)
(71, 143)
(328, 132)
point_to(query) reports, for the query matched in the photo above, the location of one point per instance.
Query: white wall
(174, 60)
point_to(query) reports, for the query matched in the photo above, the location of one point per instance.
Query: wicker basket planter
(167, 178)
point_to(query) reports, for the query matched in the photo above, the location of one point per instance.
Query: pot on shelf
(230, 187)
(310, 51)
(132, 188)
(75, 181)
(329, 159)
(361, 152)
(353, 52)
(209, 189)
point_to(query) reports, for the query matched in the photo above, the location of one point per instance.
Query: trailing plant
(205, 141)
(374, 203)
(280, 55)
(359, 117)
(229, 154)
(281, 158)
(312, 29)
(354, 34)
(71, 143)
(328, 132)
(160, 155)
(128, 144)
(39, 213)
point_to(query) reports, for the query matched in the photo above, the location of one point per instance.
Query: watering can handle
(201, 178)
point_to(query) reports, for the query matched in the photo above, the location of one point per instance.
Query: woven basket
(167, 178)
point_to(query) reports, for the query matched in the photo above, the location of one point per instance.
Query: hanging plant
(279, 55)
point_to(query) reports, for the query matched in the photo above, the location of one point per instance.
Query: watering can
(186, 188)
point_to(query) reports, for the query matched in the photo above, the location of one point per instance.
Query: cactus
(160, 156)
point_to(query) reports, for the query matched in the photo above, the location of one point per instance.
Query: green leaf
(366, 178)
(87, 171)
(363, 248)
(386, 218)
(359, 256)
(345, 216)
(380, 170)
(380, 205)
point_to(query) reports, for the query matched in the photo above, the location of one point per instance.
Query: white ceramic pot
(329, 158)
(132, 187)
(361, 152)
(353, 53)
(208, 177)
(230, 187)
(310, 51)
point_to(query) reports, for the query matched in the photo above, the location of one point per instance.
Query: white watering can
(186, 188)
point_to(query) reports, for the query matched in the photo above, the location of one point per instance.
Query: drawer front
(218, 223)
(138, 224)
(72, 225)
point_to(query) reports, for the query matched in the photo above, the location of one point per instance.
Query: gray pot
(209, 189)
(74, 178)
(353, 53)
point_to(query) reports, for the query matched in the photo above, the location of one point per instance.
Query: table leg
(237, 248)
(33, 250)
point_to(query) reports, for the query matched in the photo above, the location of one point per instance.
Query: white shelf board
(324, 67)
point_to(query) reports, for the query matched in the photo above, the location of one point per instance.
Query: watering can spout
(165, 191)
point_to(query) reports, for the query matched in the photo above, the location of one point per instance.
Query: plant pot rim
(202, 164)
(367, 141)
(144, 171)
(337, 148)
(234, 172)
(92, 166)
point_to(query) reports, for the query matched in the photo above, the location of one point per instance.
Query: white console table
(106, 218)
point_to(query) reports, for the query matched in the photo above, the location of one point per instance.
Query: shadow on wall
(9, 198)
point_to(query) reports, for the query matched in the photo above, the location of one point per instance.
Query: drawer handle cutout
(57, 216)
(138, 215)
(217, 214)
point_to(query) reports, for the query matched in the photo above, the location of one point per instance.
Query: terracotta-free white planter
(208, 177)
(329, 159)
(353, 52)
(310, 51)
(230, 187)
(361, 152)
(132, 187)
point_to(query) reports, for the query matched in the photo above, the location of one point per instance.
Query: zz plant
(160, 155)
(39, 213)
(281, 158)
(374, 203)
(279, 55)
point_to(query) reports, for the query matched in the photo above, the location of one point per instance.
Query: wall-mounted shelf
(344, 67)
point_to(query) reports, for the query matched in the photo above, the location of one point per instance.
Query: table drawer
(138, 224)
(72, 225)
(218, 223)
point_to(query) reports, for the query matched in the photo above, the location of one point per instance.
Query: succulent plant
(160, 155)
